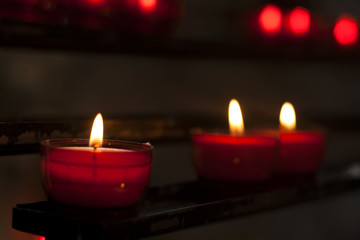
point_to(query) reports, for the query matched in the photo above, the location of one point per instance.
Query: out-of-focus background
(61, 84)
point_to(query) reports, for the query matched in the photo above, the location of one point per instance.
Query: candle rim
(231, 139)
(224, 132)
(84, 142)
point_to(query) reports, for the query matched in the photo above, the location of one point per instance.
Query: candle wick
(96, 146)
(286, 129)
(236, 132)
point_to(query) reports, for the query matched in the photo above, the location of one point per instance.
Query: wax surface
(107, 177)
(92, 149)
(234, 158)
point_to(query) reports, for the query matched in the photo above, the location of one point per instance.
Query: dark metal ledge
(173, 208)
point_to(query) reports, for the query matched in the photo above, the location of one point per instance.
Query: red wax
(115, 175)
(300, 152)
(234, 158)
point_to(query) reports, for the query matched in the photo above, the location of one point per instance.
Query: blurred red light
(270, 19)
(299, 20)
(346, 31)
(40, 238)
(95, 1)
(147, 5)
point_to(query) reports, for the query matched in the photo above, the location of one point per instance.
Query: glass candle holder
(234, 158)
(301, 153)
(114, 175)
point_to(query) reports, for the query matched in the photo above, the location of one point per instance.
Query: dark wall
(38, 84)
(46, 84)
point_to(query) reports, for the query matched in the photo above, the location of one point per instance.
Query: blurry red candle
(234, 157)
(270, 19)
(300, 152)
(102, 173)
(346, 30)
(299, 21)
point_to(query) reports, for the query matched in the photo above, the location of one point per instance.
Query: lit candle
(235, 156)
(96, 172)
(300, 152)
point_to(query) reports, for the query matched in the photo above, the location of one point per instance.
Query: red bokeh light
(95, 1)
(299, 20)
(40, 238)
(346, 31)
(270, 19)
(147, 5)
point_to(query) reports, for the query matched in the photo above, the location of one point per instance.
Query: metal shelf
(176, 207)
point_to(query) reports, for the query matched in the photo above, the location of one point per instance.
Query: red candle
(116, 174)
(234, 157)
(300, 152)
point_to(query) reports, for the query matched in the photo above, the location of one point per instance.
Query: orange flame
(287, 117)
(236, 122)
(96, 136)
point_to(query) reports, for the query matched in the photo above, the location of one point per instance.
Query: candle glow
(301, 152)
(97, 131)
(236, 122)
(147, 5)
(346, 30)
(299, 20)
(270, 19)
(287, 117)
(234, 157)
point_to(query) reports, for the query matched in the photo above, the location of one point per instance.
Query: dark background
(62, 84)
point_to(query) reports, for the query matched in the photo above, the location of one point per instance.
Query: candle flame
(96, 136)
(287, 117)
(236, 122)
